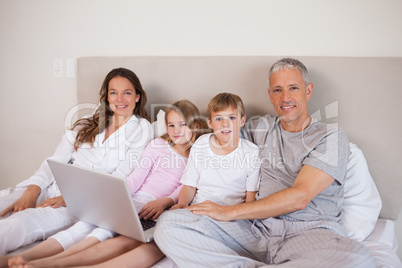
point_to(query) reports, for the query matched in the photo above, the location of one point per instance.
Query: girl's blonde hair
(88, 128)
(191, 115)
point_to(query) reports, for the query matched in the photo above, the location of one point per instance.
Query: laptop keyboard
(147, 224)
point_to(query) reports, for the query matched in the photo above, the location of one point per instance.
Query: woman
(109, 141)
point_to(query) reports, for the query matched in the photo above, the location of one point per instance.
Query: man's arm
(308, 184)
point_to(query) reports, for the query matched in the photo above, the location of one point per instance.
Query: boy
(222, 168)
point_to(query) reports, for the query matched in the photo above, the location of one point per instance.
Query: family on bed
(269, 191)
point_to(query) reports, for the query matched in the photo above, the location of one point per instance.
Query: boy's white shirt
(223, 179)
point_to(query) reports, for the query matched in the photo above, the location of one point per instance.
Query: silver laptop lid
(99, 198)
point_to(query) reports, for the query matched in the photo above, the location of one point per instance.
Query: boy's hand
(54, 202)
(154, 209)
(177, 206)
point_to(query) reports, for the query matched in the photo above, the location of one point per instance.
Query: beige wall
(33, 104)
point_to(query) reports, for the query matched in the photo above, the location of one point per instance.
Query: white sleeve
(191, 175)
(43, 177)
(136, 141)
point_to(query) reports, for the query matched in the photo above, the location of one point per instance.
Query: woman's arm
(63, 153)
(27, 200)
(43, 178)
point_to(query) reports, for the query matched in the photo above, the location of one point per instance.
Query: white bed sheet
(381, 242)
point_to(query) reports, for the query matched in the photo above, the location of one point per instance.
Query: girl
(154, 185)
(118, 130)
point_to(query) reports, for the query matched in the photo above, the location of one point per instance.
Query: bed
(360, 95)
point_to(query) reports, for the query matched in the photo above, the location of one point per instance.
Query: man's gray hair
(289, 63)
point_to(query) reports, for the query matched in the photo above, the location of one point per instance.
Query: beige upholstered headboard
(362, 95)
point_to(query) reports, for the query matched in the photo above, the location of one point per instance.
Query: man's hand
(211, 209)
(27, 200)
(54, 202)
(152, 210)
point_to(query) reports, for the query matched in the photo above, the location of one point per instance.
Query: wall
(33, 103)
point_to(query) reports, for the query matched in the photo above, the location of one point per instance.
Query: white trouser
(81, 230)
(29, 225)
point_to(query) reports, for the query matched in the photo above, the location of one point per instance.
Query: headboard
(361, 95)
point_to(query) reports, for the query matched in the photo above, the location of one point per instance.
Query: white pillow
(362, 202)
(159, 125)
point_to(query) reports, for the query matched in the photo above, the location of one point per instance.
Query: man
(296, 220)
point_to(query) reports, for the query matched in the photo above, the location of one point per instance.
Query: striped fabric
(199, 241)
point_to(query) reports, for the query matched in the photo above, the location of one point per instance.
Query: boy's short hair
(224, 100)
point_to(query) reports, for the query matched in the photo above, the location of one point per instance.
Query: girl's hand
(178, 206)
(154, 209)
(27, 200)
(54, 202)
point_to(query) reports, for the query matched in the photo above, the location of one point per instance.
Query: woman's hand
(27, 200)
(154, 209)
(54, 202)
(19, 205)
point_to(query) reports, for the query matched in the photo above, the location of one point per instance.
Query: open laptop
(101, 199)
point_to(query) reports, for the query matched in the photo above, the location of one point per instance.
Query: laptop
(100, 199)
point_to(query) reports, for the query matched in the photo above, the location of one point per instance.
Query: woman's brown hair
(88, 128)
